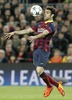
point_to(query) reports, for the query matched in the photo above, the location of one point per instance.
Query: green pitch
(32, 93)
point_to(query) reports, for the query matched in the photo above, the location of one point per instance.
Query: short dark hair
(52, 9)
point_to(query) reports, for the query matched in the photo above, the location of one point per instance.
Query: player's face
(47, 14)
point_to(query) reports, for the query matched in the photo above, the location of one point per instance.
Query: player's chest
(41, 27)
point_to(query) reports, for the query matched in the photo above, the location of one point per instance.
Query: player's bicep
(31, 30)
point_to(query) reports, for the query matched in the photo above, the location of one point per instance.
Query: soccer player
(44, 33)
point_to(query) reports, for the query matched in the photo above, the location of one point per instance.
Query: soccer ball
(36, 10)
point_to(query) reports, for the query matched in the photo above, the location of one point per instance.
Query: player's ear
(52, 15)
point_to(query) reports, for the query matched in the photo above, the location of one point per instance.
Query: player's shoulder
(52, 25)
(39, 23)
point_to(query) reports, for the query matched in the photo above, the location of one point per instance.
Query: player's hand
(31, 38)
(8, 35)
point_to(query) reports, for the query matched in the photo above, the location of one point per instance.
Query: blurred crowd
(16, 16)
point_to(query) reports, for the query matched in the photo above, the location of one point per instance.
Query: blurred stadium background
(18, 79)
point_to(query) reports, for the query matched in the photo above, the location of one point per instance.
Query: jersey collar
(48, 21)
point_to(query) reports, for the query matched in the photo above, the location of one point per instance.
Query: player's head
(49, 13)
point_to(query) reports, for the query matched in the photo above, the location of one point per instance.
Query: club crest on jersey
(40, 29)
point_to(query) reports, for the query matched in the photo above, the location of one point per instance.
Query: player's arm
(25, 31)
(42, 35)
(32, 38)
(21, 32)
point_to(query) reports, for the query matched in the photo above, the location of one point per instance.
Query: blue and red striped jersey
(43, 43)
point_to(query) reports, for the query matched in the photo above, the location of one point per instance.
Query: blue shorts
(40, 57)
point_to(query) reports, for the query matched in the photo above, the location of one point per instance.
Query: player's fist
(31, 38)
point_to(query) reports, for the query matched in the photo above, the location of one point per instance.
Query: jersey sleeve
(51, 27)
(35, 27)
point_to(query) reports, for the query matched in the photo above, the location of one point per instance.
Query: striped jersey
(44, 42)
